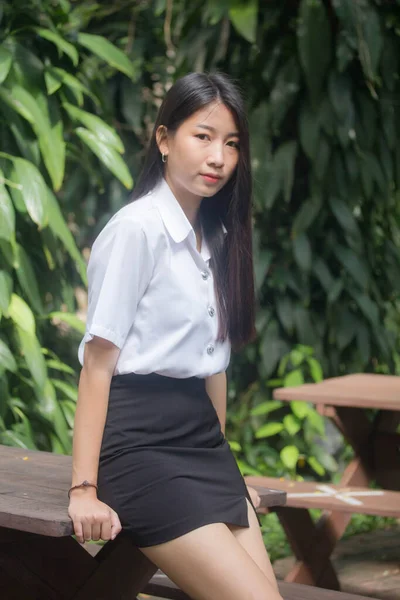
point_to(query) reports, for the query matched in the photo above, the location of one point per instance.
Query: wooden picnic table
(376, 443)
(39, 558)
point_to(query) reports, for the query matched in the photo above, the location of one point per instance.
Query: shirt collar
(173, 215)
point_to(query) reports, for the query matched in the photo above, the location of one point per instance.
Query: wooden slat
(34, 486)
(161, 586)
(358, 390)
(342, 499)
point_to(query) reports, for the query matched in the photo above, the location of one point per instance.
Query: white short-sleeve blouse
(152, 293)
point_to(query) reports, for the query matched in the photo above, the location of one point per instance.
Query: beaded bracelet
(82, 485)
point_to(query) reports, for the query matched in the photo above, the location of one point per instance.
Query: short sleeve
(119, 270)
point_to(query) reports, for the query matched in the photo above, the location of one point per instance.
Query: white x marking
(327, 492)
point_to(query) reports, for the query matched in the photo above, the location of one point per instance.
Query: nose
(216, 157)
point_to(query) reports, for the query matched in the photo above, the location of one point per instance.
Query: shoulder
(139, 219)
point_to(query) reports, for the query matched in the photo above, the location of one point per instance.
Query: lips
(211, 177)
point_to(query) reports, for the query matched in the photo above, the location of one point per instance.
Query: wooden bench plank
(160, 585)
(326, 496)
(34, 486)
(363, 390)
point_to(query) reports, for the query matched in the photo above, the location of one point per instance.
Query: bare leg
(251, 540)
(210, 564)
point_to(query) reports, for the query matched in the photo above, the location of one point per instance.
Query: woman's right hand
(92, 519)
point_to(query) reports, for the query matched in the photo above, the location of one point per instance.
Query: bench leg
(311, 547)
(122, 573)
(34, 566)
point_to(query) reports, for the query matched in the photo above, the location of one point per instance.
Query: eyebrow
(232, 134)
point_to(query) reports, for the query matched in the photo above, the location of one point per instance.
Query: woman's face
(203, 153)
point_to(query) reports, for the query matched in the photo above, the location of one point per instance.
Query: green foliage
(52, 109)
(275, 438)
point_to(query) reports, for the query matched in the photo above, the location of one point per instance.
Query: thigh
(210, 564)
(251, 540)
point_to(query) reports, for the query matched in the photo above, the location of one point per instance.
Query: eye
(203, 136)
(233, 144)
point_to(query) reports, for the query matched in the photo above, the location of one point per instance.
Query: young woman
(170, 291)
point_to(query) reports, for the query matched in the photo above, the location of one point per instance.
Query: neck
(190, 203)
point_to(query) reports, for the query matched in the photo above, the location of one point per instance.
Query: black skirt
(165, 465)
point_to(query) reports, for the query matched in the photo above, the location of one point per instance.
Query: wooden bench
(162, 587)
(313, 543)
(39, 558)
(327, 496)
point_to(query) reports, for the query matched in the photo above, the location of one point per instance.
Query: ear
(162, 139)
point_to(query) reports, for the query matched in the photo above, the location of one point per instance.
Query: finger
(115, 525)
(105, 533)
(96, 528)
(87, 531)
(78, 529)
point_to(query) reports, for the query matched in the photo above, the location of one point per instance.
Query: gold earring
(163, 158)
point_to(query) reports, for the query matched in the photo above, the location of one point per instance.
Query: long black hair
(232, 258)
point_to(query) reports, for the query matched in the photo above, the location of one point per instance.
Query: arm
(216, 388)
(92, 519)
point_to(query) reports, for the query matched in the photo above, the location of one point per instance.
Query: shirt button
(205, 275)
(210, 349)
(211, 311)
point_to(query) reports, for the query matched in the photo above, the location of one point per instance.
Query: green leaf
(104, 132)
(244, 18)
(6, 287)
(291, 424)
(302, 252)
(7, 360)
(371, 43)
(59, 366)
(300, 409)
(355, 266)
(111, 159)
(315, 369)
(314, 38)
(7, 213)
(64, 46)
(293, 378)
(68, 390)
(52, 83)
(69, 319)
(316, 466)
(265, 408)
(5, 63)
(32, 353)
(320, 269)
(47, 127)
(345, 217)
(272, 348)
(51, 409)
(285, 161)
(27, 279)
(284, 308)
(60, 229)
(316, 421)
(268, 430)
(309, 130)
(34, 190)
(22, 315)
(107, 51)
(289, 456)
(64, 78)
(306, 215)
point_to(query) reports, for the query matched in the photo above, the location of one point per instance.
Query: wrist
(84, 485)
(87, 492)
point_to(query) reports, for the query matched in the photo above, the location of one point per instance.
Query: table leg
(314, 566)
(311, 547)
